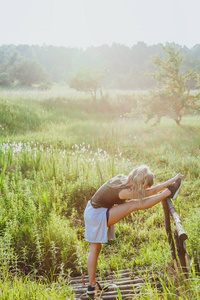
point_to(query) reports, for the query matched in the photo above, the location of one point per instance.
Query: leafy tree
(5, 79)
(28, 72)
(173, 98)
(89, 81)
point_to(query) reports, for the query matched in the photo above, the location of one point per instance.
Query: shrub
(193, 230)
(5, 79)
(58, 245)
(16, 118)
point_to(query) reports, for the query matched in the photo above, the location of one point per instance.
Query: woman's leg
(95, 249)
(116, 213)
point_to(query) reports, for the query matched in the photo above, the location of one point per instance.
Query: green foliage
(18, 70)
(28, 72)
(15, 288)
(193, 229)
(173, 98)
(17, 118)
(5, 79)
(45, 85)
(87, 80)
(58, 247)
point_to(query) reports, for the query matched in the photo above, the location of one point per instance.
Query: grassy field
(51, 144)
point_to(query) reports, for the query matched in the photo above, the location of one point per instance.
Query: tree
(8, 58)
(5, 79)
(173, 98)
(28, 72)
(89, 81)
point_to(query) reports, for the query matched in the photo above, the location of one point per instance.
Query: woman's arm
(128, 194)
(160, 187)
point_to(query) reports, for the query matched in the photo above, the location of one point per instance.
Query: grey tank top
(108, 194)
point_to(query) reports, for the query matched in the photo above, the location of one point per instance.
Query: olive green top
(108, 194)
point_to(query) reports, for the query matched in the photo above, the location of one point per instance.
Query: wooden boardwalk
(129, 283)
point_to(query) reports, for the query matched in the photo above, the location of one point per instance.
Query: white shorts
(96, 225)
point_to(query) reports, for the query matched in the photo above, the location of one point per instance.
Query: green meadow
(54, 147)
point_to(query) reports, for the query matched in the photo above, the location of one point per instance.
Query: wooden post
(179, 235)
(168, 229)
(182, 254)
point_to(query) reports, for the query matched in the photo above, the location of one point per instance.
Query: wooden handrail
(181, 233)
(180, 236)
(168, 228)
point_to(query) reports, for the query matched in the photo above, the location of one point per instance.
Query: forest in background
(124, 67)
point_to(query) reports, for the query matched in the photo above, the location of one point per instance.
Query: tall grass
(50, 167)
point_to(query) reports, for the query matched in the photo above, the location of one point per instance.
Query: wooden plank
(112, 287)
(182, 254)
(128, 288)
(168, 228)
(118, 282)
(179, 236)
(120, 275)
(181, 233)
(125, 293)
(109, 297)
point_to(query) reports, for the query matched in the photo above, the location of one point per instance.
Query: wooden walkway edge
(129, 284)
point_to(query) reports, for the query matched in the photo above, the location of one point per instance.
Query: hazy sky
(82, 23)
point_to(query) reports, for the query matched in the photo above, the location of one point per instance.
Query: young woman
(102, 212)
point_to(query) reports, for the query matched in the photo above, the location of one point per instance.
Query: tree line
(122, 67)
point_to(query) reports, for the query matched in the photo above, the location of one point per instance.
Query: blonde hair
(140, 179)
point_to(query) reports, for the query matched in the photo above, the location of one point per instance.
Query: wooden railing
(176, 240)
